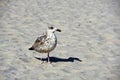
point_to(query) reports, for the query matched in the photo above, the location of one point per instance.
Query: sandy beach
(88, 47)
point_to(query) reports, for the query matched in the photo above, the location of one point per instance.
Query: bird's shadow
(56, 59)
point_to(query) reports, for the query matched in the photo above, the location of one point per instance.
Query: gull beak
(58, 30)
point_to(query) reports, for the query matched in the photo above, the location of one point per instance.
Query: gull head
(52, 29)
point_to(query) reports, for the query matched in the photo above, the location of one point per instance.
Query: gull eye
(50, 27)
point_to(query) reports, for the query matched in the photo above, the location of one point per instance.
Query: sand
(90, 33)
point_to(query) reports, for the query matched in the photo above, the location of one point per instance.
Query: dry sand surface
(90, 32)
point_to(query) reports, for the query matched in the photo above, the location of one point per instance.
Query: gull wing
(41, 39)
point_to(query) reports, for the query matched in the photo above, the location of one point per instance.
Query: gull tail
(31, 48)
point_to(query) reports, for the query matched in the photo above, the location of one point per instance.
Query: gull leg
(48, 58)
(42, 61)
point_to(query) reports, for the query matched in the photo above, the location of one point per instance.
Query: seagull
(46, 42)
